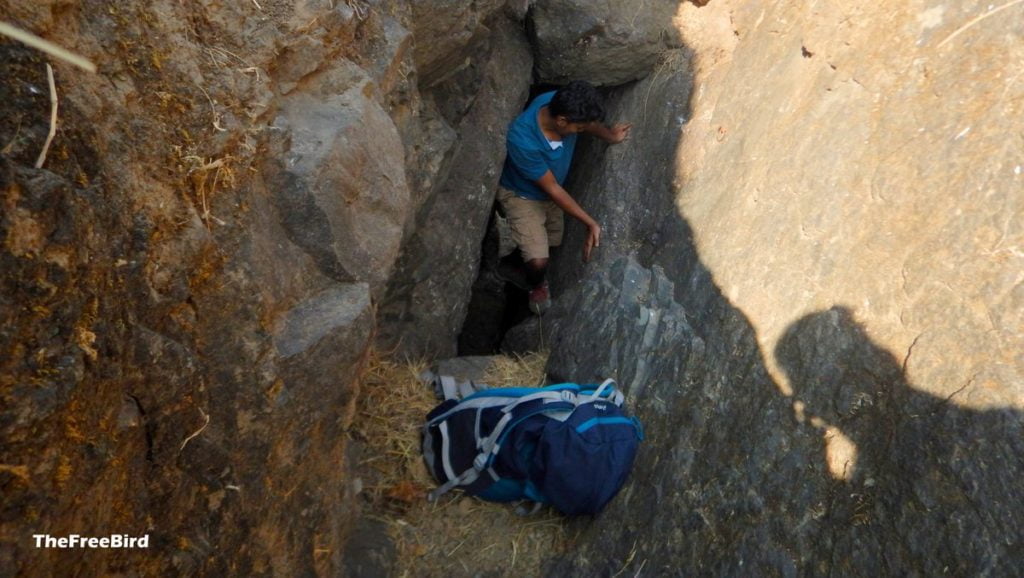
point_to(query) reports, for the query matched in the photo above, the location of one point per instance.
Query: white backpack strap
(468, 477)
(468, 388)
(446, 461)
(617, 398)
(548, 396)
(445, 386)
(448, 388)
(523, 510)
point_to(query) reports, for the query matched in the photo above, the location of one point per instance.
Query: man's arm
(560, 197)
(612, 135)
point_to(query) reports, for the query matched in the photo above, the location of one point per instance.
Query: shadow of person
(932, 488)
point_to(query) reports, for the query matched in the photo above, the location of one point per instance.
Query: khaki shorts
(536, 225)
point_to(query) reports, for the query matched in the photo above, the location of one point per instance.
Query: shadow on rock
(942, 478)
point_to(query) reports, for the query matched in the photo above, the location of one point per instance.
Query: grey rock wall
(447, 30)
(336, 165)
(607, 43)
(831, 403)
(427, 297)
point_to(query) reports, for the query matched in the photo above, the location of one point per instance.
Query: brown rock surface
(879, 162)
(186, 284)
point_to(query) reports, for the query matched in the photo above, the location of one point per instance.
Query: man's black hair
(577, 101)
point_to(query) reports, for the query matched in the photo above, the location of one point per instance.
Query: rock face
(427, 296)
(448, 30)
(821, 393)
(809, 280)
(607, 43)
(143, 414)
(336, 168)
(189, 284)
(310, 322)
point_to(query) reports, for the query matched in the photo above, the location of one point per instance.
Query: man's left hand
(619, 132)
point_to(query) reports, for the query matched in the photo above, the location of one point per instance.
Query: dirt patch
(459, 535)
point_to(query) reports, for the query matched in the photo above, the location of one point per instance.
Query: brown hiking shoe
(540, 299)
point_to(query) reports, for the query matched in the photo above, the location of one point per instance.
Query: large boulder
(607, 43)
(446, 31)
(336, 169)
(427, 296)
(847, 398)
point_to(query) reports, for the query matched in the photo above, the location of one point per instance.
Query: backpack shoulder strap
(513, 415)
(607, 389)
(445, 386)
(468, 388)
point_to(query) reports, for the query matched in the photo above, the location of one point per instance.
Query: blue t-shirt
(529, 154)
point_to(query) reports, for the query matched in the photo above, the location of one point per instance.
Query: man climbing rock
(540, 144)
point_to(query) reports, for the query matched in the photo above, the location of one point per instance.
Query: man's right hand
(593, 240)
(560, 197)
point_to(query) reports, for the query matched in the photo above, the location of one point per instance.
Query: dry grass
(207, 176)
(53, 117)
(46, 46)
(458, 535)
(391, 410)
(517, 371)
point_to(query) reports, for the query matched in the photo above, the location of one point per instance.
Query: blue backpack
(566, 445)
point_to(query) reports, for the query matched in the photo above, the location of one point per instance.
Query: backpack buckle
(480, 462)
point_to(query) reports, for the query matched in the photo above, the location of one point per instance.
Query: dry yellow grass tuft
(392, 407)
(206, 177)
(517, 371)
(458, 535)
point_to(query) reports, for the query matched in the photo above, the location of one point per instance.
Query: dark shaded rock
(626, 299)
(518, 8)
(526, 336)
(936, 472)
(370, 551)
(426, 298)
(606, 43)
(483, 328)
(495, 304)
(688, 377)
